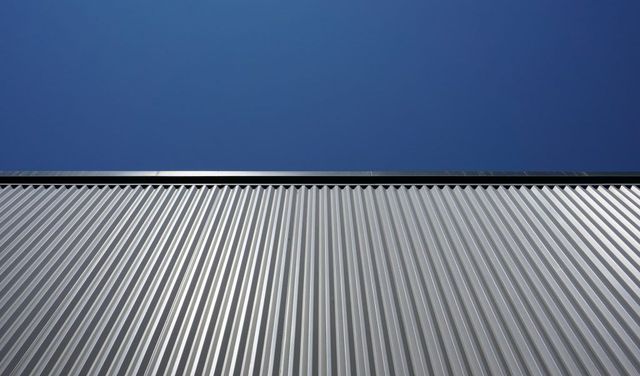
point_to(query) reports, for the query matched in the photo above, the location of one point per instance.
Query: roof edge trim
(318, 178)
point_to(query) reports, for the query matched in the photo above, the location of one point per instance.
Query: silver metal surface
(311, 173)
(317, 280)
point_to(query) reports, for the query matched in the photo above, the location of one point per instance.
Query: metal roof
(319, 279)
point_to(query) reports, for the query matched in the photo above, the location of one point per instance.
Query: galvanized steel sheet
(319, 279)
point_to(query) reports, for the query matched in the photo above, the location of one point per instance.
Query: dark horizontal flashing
(317, 178)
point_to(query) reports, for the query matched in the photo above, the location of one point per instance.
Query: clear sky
(319, 85)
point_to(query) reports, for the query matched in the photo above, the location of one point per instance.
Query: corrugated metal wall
(406, 280)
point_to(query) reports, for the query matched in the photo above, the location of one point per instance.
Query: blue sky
(319, 85)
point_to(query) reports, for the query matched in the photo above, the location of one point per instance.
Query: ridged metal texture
(317, 280)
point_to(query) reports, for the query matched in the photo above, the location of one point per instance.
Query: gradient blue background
(320, 85)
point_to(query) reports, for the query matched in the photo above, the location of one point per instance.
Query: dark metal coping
(315, 178)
